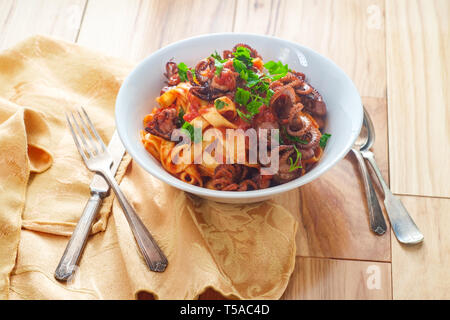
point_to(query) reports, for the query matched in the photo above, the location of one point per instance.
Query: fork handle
(153, 255)
(376, 218)
(77, 242)
(402, 224)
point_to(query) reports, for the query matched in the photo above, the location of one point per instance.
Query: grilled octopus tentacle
(172, 74)
(313, 138)
(247, 185)
(231, 177)
(282, 101)
(163, 123)
(299, 124)
(204, 70)
(285, 174)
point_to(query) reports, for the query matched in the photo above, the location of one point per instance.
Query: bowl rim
(261, 193)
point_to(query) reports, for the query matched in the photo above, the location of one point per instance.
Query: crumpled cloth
(241, 251)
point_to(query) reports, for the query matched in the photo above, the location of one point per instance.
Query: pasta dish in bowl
(237, 117)
(237, 101)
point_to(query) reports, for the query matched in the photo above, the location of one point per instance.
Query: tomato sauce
(194, 107)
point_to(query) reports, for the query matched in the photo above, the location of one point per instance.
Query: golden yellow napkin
(242, 251)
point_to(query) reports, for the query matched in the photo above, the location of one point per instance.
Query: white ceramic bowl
(137, 96)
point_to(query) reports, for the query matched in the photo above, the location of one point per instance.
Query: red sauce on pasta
(237, 90)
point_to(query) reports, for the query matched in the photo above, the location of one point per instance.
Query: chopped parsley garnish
(259, 92)
(220, 104)
(246, 117)
(269, 94)
(242, 96)
(245, 73)
(186, 127)
(255, 92)
(324, 139)
(280, 139)
(219, 66)
(252, 78)
(216, 56)
(243, 54)
(182, 69)
(276, 69)
(251, 101)
(240, 67)
(180, 115)
(218, 62)
(189, 130)
(293, 138)
(253, 107)
(296, 164)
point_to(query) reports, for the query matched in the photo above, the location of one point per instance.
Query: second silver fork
(97, 159)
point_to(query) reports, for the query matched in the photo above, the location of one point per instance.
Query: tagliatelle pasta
(213, 117)
(235, 123)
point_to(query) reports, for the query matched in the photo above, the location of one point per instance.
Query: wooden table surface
(397, 52)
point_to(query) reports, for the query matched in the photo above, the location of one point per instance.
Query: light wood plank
(134, 29)
(20, 19)
(350, 32)
(418, 61)
(339, 279)
(423, 271)
(332, 210)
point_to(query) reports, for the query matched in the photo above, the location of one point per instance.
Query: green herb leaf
(180, 115)
(188, 129)
(269, 94)
(242, 96)
(293, 138)
(216, 55)
(243, 54)
(182, 69)
(324, 139)
(259, 93)
(277, 69)
(244, 116)
(239, 66)
(244, 74)
(261, 86)
(280, 139)
(252, 79)
(220, 104)
(270, 65)
(296, 164)
(253, 107)
(219, 67)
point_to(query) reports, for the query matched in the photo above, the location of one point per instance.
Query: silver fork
(97, 159)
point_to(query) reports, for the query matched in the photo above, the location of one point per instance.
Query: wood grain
(20, 19)
(141, 27)
(418, 68)
(350, 32)
(339, 279)
(317, 278)
(423, 271)
(332, 210)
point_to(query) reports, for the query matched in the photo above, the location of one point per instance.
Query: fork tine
(89, 135)
(80, 134)
(91, 125)
(75, 139)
